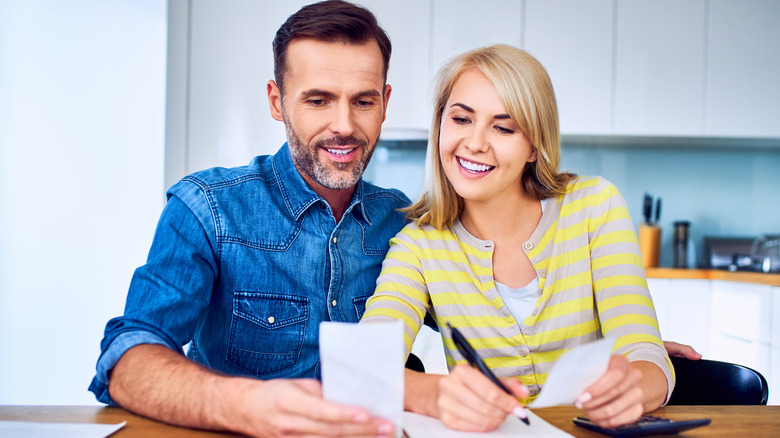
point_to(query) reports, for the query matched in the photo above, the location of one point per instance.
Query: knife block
(649, 244)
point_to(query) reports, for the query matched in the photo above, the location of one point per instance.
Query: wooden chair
(709, 382)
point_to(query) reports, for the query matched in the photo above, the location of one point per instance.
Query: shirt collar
(297, 194)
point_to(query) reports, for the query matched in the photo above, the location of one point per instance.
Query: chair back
(709, 382)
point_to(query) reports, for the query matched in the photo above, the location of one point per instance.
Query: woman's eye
(503, 130)
(460, 120)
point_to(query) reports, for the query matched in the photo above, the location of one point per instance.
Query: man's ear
(274, 100)
(386, 96)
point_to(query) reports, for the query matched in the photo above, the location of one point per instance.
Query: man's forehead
(308, 58)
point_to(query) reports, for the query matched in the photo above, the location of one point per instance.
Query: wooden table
(727, 421)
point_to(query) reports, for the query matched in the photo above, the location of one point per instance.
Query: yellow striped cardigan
(586, 257)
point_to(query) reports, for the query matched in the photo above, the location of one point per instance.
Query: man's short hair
(331, 21)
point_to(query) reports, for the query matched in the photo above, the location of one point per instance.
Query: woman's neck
(501, 219)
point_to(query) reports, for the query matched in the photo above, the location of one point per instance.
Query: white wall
(82, 103)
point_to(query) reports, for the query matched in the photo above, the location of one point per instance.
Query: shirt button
(543, 273)
(533, 390)
(271, 320)
(534, 312)
(333, 303)
(523, 352)
(335, 239)
(528, 246)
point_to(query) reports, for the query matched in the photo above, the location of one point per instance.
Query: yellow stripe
(625, 300)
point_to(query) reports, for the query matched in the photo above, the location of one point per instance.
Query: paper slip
(574, 372)
(421, 426)
(28, 429)
(363, 365)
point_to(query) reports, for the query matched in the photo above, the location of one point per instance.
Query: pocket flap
(271, 311)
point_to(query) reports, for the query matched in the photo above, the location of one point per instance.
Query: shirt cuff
(110, 357)
(660, 359)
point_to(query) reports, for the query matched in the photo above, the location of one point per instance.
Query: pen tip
(525, 420)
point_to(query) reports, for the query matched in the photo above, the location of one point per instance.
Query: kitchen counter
(715, 274)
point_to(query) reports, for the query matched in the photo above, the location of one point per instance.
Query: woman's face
(483, 152)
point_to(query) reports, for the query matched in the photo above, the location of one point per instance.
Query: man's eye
(364, 103)
(316, 102)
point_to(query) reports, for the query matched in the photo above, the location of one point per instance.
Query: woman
(525, 260)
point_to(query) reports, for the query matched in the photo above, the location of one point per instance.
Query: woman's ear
(532, 158)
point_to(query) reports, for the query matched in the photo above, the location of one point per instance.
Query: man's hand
(673, 349)
(296, 408)
(468, 400)
(156, 382)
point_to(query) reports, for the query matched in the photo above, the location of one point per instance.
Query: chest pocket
(360, 306)
(267, 331)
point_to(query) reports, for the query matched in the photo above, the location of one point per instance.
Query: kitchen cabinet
(659, 68)
(743, 65)
(573, 40)
(462, 25)
(723, 320)
(741, 324)
(683, 310)
(407, 22)
(230, 62)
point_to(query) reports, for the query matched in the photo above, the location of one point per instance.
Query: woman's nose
(477, 140)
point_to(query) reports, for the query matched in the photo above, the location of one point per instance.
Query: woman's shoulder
(414, 233)
(589, 187)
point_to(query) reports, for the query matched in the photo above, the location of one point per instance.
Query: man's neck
(338, 199)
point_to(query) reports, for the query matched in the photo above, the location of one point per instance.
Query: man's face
(333, 107)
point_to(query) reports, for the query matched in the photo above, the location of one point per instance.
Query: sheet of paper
(573, 372)
(420, 426)
(28, 429)
(363, 365)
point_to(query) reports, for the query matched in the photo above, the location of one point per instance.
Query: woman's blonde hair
(526, 91)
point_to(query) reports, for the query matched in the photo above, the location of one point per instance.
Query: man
(247, 262)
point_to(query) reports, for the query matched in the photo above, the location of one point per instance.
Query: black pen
(474, 360)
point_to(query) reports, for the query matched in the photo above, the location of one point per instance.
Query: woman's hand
(616, 398)
(467, 400)
(673, 349)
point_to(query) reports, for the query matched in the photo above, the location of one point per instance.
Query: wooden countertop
(727, 421)
(714, 274)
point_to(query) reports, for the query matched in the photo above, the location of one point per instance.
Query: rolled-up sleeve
(168, 294)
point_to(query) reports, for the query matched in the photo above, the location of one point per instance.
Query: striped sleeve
(401, 292)
(623, 302)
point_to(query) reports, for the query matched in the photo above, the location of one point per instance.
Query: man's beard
(306, 158)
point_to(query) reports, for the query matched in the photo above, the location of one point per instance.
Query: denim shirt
(245, 264)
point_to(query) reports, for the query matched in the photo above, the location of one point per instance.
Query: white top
(521, 301)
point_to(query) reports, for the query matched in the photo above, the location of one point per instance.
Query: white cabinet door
(659, 81)
(462, 25)
(741, 324)
(230, 62)
(683, 309)
(573, 40)
(407, 22)
(743, 84)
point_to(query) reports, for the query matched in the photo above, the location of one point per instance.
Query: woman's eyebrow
(471, 110)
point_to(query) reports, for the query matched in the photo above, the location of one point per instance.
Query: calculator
(645, 425)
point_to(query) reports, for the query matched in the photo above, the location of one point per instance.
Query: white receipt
(420, 426)
(574, 372)
(29, 429)
(363, 365)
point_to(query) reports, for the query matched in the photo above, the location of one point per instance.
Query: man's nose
(343, 122)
